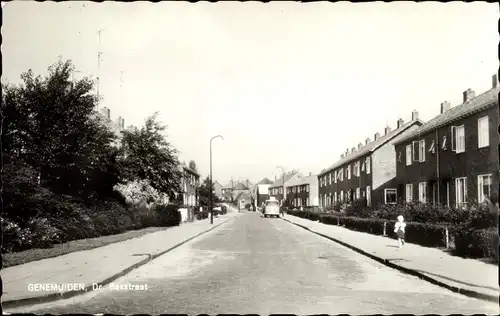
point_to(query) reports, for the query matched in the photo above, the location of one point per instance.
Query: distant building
(261, 191)
(276, 189)
(303, 191)
(218, 189)
(190, 183)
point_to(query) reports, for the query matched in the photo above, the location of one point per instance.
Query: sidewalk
(100, 265)
(466, 276)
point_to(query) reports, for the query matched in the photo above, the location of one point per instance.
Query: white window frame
(421, 151)
(358, 193)
(409, 192)
(460, 199)
(458, 139)
(480, 186)
(335, 176)
(390, 190)
(349, 172)
(432, 148)
(443, 145)
(483, 132)
(368, 166)
(422, 192)
(408, 155)
(335, 197)
(368, 196)
(330, 178)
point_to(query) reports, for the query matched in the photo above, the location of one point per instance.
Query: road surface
(257, 265)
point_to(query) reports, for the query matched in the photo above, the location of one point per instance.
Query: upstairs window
(432, 148)
(335, 176)
(368, 166)
(400, 158)
(458, 139)
(421, 151)
(444, 145)
(349, 172)
(408, 155)
(329, 179)
(483, 133)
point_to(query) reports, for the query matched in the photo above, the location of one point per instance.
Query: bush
(476, 243)
(428, 235)
(367, 225)
(169, 215)
(357, 208)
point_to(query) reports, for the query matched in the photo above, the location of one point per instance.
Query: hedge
(476, 243)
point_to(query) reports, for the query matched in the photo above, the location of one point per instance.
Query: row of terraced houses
(450, 160)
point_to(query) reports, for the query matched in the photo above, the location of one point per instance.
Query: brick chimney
(106, 112)
(342, 156)
(387, 130)
(468, 94)
(414, 115)
(347, 152)
(367, 141)
(400, 123)
(445, 106)
(494, 81)
(353, 149)
(376, 136)
(359, 146)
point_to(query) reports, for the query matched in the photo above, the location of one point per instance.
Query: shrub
(367, 225)
(358, 208)
(476, 243)
(169, 215)
(428, 235)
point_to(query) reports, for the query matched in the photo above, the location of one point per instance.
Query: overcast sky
(285, 83)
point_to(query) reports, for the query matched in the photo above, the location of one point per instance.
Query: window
(341, 196)
(483, 134)
(444, 144)
(368, 165)
(415, 150)
(409, 193)
(422, 190)
(349, 172)
(368, 196)
(408, 155)
(341, 175)
(293, 189)
(307, 188)
(461, 191)
(329, 179)
(458, 139)
(483, 187)
(421, 151)
(363, 166)
(335, 197)
(335, 176)
(391, 196)
(358, 193)
(432, 149)
(400, 159)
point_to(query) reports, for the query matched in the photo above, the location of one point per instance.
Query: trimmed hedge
(476, 243)
(169, 215)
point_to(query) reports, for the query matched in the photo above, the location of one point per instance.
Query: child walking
(399, 229)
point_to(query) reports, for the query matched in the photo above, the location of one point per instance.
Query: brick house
(190, 182)
(453, 158)
(218, 189)
(303, 191)
(276, 189)
(366, 170)
(261, 191)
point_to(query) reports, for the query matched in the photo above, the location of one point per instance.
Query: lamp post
(283, 178)
(210, 184)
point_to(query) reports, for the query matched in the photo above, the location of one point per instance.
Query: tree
(146, 155)
(204, 193)
(192, 165)
(51, 126)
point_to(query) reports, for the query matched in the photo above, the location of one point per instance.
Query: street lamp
(283, 176)
(210, 194)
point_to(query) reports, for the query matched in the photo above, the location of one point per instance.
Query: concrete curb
(51, 297)
(455, 289)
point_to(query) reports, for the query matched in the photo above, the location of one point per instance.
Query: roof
(372, 146)
(302, 180)
(228, 186)
(243, 195)
(279, 181)
(265, 181)
(474, 105)
(240, 186)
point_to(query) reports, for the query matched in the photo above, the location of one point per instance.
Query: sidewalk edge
(455, 289)
(51, 297)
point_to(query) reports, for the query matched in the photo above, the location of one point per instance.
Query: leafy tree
(204, 193)
(192, 165)
(147, 155)
(50, 124)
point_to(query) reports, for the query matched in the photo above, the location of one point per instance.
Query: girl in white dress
(399, 229)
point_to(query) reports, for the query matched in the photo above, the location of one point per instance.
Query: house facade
(303, 191)
(217, 187)
(366, 170)
(190, 182)
(276, 190)
(453, 158)
(261, 191)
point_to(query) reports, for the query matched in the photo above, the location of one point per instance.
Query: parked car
(272, 208)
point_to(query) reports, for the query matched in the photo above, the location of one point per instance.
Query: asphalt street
(266, 265)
